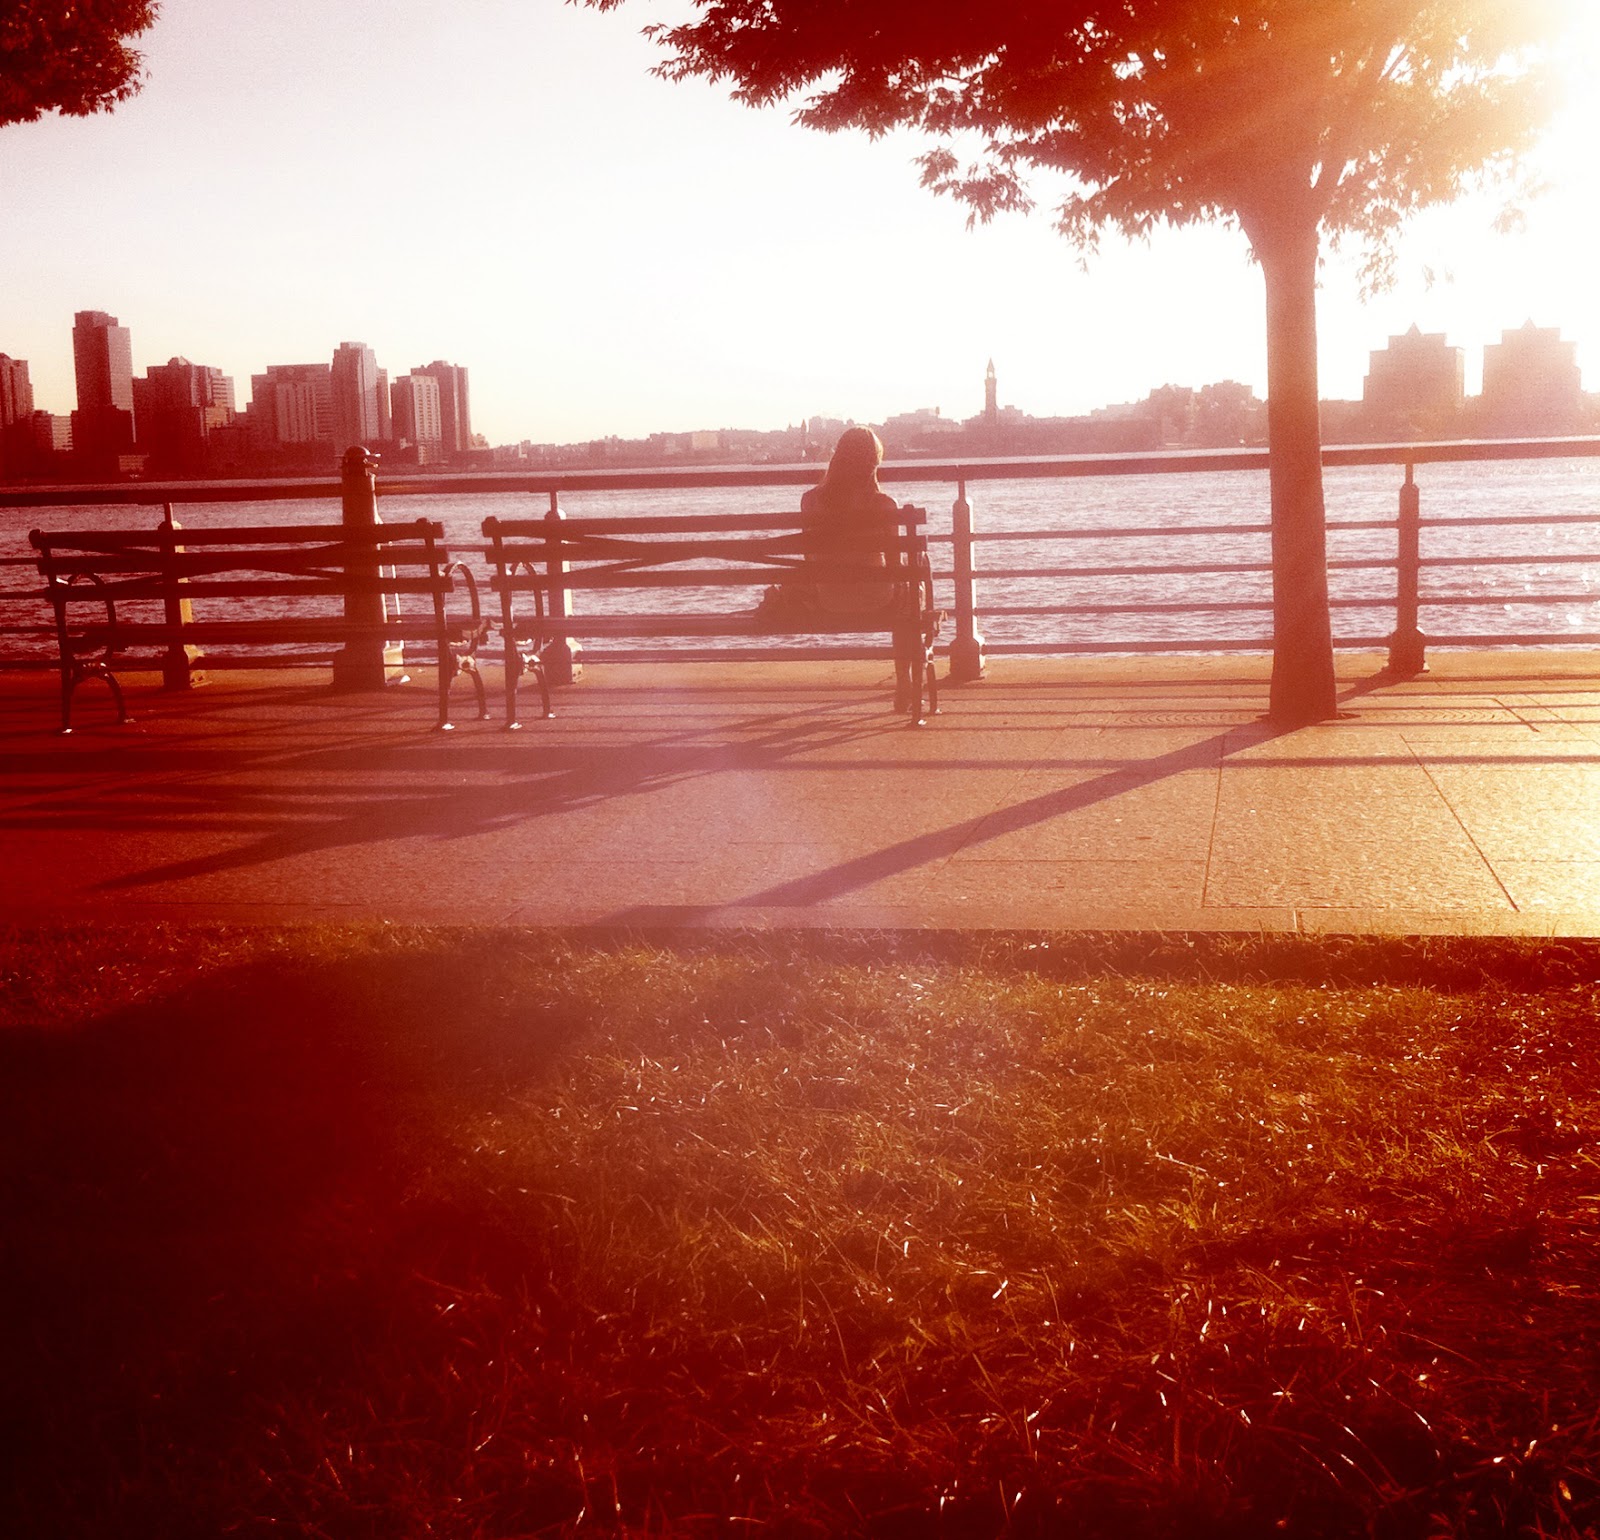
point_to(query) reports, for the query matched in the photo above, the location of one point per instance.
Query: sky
(504, 185)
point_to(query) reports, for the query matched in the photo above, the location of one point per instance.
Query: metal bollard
(563, 659)
(365, 661)
(178, 670)
(966, 646)
(1408, 647)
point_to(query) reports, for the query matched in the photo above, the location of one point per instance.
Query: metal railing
(1190, 580)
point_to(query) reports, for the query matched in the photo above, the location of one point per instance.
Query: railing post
(563, 659)
(1407, 647)
(178, 666)
(966, 646)
(364, 662)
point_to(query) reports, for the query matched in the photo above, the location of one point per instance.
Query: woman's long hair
(853, 470)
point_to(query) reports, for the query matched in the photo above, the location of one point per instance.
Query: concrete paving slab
(1534, 811)
(1547, 885)
(1112, 815)
(1080, 794)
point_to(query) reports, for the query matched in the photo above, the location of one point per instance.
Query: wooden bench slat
(142, 586)
(183, 563)
(381, 535)
(265, 632)
(710, 625)
(658, 524)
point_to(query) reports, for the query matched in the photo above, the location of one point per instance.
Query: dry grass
(381, 1233)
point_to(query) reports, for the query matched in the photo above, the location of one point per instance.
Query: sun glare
(1565, 157)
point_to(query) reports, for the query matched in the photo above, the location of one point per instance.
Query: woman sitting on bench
(850, 521)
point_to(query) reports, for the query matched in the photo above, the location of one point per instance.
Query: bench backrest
(701, 550)
(243, 562)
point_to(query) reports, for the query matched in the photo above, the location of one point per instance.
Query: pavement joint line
(1472, 840)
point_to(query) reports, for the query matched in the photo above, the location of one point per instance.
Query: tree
(1298, 121)
(68, 56)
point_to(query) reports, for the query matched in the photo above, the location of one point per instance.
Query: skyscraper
(102, 359)
(291, 413)
(455, 415)
(16, 390)
(417, 416)
(357, 418)
(16, 416)
(1531, 382)
(1416, 384)
(179, 405)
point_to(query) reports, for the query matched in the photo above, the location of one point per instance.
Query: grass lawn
(459, 1233)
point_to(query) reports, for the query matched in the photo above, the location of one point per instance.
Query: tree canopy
(1297, 120)
(68, 56)
(1359, 111)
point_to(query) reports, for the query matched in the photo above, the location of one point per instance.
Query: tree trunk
(1303, 688)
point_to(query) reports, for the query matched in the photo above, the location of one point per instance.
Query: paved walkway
(1087, 794)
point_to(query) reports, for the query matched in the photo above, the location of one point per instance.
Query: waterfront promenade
(1093, 794)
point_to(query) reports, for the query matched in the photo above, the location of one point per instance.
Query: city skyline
(617, 254)
(1414, 383)
(183, 418)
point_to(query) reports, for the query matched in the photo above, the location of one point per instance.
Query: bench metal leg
(448, 670)
(70, 680)
(518, 664)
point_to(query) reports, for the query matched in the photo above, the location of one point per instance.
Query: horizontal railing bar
(1593, 598)
(1175, 607)
(1217, 644)
(1176, 570)
(1148, 532)
(1518, 558)
(1220, 644)
(1509, 518)
(988, 611)
(1518, 639)
(988, 573)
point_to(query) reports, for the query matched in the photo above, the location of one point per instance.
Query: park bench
(256, 596)
(727, 575)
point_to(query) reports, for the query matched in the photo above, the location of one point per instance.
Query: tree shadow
(208, 1192)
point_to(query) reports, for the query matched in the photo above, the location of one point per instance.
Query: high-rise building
(455, 413)
(418, 423)
(16, 390)
(102, 359)
(991, 398)
(1531, 382)
(16, 418)
(1417, 383)
(355, 383)
(179, 406)
(52, 434)
(291, 412)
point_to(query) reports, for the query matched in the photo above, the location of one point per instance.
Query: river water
(1549, 593)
